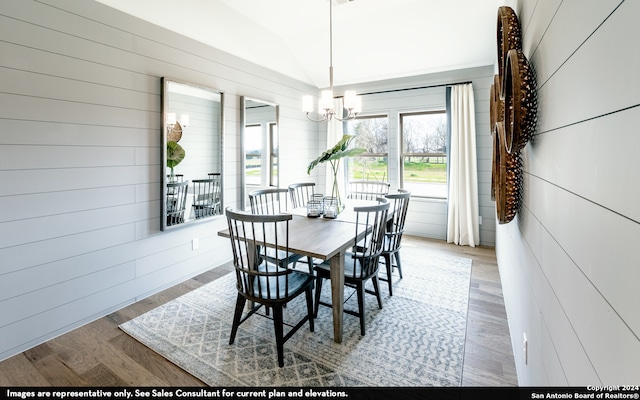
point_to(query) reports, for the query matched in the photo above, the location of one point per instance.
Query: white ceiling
(372, 39)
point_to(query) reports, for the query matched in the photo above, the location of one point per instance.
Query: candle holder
(330, 207)
(320, 199)
(314, 208)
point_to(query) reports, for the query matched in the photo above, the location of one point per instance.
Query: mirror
(260, 151)
(192, 153)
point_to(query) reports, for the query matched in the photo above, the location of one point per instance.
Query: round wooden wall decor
(520, 102)
(494, 162)
(508, 180)
(496, 114)
(509, 36)
(496, 103)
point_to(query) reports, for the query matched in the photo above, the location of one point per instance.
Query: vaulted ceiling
(372, 39)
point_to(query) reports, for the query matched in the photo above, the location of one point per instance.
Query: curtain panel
(463, 213)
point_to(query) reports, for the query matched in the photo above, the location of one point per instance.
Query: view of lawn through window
(372, 134)
(423, 157)
(253, 155)
(424, 153)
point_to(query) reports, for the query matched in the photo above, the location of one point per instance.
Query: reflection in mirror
(259, 122)
(192, 153)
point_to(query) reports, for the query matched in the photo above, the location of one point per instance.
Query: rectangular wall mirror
(192, 153)
(260, 141)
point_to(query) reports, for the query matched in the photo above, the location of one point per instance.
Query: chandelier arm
(324, 118)
(349, 117)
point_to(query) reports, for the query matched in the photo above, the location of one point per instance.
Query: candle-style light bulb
(307, 104)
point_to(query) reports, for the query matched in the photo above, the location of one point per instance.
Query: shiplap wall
(80, 100)
(428, 217)
(569, 261)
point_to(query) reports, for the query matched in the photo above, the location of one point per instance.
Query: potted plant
(333, 156)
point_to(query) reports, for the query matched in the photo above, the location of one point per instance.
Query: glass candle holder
(313, 208)
(319, 198)
(330, 207)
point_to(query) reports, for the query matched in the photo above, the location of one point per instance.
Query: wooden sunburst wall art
(513, 115)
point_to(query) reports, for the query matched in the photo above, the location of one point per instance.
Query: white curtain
(462, 219)
(334, 134)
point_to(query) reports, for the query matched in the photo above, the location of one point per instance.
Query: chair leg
(279, 328)
(318, 290)
(387, 263)
(397, 254)
(309, 294)
(240, 302)
(360, 293)
(376, 288)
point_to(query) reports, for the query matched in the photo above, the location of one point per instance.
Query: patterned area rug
(417, 339)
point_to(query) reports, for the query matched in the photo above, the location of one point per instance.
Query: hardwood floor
(100, 354)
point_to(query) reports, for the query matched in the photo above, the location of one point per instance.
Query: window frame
(368, 155)
(274, 154)
(402, 154)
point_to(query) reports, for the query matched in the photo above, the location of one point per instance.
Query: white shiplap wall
(569, 264)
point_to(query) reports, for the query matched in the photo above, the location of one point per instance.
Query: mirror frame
(163, 166)
(243, 122)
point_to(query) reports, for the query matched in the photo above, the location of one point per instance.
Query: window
(423, 160)
(274, 153)
(261, 156)
(372, 134)
(253, 154)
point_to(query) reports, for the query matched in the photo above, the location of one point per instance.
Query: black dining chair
(367, 190)
(269, 201)
(176, 202)
(206, 197)
(301, 193)
(261, 279)
(360, 264)
(275, 201)
(399, 203)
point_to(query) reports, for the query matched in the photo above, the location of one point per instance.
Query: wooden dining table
(324, 239)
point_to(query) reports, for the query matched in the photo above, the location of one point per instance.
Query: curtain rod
(412, 88)
(416, 88)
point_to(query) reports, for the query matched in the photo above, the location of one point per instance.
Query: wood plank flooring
(100, 354)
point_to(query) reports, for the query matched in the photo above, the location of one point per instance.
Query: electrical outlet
(480, 220)
(525, 348)
(195, 244)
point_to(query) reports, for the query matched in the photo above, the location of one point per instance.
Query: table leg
(337, 294)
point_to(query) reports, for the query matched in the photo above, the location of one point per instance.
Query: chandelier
(351, 102)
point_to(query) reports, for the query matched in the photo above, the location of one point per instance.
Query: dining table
(324, 239)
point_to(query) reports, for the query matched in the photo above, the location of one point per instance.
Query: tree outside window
(371, 134)
(424, 153)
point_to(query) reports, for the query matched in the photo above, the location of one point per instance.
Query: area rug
(416, 339)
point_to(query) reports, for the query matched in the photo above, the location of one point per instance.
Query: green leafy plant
(175, 155)
(333, 156)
